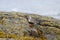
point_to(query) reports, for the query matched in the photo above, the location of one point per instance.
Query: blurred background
(41, 7)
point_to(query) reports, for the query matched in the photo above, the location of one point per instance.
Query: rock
(20, 26)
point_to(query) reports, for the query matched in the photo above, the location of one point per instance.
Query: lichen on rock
(20, 26)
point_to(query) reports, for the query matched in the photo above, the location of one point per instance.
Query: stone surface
(21, 26)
